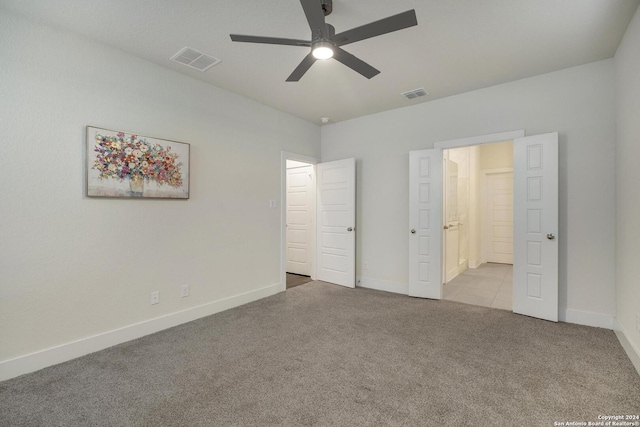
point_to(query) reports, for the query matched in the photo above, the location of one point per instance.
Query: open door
(535, 267)
(336, 222)
(425, 223)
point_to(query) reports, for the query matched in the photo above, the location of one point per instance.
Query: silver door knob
(413, 231)
(550, 236)
(350, 229)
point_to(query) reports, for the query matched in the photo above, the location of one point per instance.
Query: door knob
(350, 229)
(446, 227)
(413, 231)
(550, 236)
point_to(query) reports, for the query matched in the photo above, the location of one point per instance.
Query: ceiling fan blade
(354, 63)
(315, 17)
(383, 26)
(304, 66)
(269, 40)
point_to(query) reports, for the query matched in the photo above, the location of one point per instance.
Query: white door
(336, 219)
(300, 199)
(535, 269)
(425, 223)
(499, 218)
(451, 215)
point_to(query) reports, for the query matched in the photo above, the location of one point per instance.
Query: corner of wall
(632, 351)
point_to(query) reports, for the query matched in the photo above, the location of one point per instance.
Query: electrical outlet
(272, 204)
(365, 265)
(155, 298)
(184, 291)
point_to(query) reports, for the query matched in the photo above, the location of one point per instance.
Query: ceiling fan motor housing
(329, 31)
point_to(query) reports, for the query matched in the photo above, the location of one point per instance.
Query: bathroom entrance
(478, 224)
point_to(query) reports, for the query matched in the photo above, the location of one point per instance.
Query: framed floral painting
(121, 164)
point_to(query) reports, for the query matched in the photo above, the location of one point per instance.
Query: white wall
(496, 156)
(475, 208)
(72, 267)
(627, 61)
(578, 103)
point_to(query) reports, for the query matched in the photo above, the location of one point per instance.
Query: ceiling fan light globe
(322, 52)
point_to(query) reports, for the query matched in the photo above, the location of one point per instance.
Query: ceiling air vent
(195, 59)
(412, 94)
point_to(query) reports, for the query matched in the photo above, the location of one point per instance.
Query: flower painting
(122, 164)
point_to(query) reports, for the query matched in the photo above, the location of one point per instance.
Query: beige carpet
(319, 354)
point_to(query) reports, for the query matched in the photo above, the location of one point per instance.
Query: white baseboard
(586, 318)
(474, 263)
(632, 351)
(383, 285)
(52, 356)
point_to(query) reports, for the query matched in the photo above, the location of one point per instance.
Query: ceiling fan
(325, 43)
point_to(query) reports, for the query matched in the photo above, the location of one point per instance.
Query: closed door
(299, 220)
(336, 218)
(425, 223)
(535, 270)
(499, 218)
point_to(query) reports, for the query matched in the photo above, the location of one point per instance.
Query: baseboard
(52, 356)
(586, 318)
(632, 351)
(475, 263)
(383, 285)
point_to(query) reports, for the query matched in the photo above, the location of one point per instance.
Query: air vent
(195, 59)
(412, 94)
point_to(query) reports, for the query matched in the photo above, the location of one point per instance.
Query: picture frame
(128, 165)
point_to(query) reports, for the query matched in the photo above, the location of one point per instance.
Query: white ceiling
(458, 45)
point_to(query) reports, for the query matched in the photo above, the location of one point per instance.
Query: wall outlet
(184, 291)
(273, 204)
(365, 265)
(155, 298)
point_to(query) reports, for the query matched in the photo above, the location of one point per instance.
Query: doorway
(317, 219)
(306, 250)
(300, 209)
(478, 224)
(535, 219)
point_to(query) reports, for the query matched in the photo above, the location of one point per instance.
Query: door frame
(468, 142)
(284, 156)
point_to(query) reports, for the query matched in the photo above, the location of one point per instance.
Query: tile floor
(294, 280)
(489, 285)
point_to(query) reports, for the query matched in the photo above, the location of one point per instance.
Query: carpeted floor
(321, 354)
